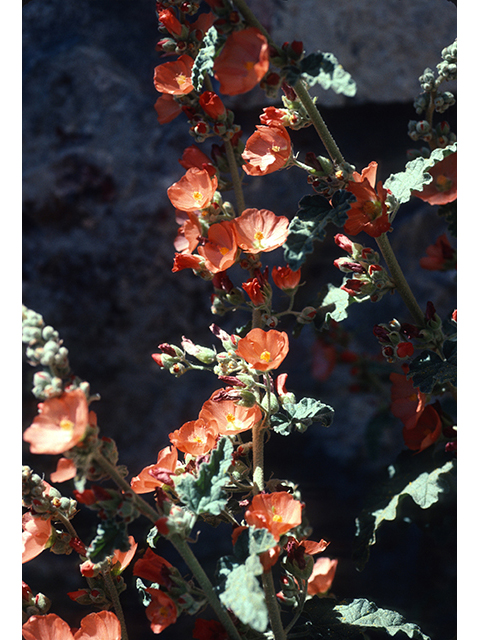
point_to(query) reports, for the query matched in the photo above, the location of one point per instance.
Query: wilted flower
(369, 212)
(166, 463)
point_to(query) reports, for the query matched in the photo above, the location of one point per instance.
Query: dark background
(97, 254)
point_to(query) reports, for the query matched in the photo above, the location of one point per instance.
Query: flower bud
(307, 315)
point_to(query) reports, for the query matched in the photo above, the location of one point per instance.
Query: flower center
(66, 424)
(197, 196)
(277, 518)
(181, 79)
(442, 183)
(265, 356)
(249, 65)
(372, 209)
(223, 250)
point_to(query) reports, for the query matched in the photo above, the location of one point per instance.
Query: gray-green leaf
(205, 58)
(244, 595)
(205, 493)
(416, 176)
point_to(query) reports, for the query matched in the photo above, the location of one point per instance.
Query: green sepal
(424, 477)
(111, 535)
(416, 176)
(244, 596)
(347, 620)
(205, 58)
(204, 493)
(301, 415)
(323, 69)
(309, 223)
(429, 371)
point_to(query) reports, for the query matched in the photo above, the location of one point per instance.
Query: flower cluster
(369, 280)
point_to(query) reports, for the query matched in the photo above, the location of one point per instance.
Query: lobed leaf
(416, 175)
(323, 69)
(407, 478)
(301, 415)
(429, 370)
(309, 224)
(205, 58)
(244, 596)
(205, 493)
(111, 535)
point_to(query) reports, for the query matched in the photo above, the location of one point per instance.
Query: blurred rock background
(98, 232)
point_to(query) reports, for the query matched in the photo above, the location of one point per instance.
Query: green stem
(113, 593)
(401, 283)
(180, 545)
(201, 577)
(237, 184)
(272, 606)
(300, 606)
(318, 122)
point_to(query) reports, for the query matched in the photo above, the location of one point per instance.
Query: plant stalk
(237, 184)
(401, 283)
(318, 122)
(272, 606)
(113, 593)
(180, 545)
(201, 577)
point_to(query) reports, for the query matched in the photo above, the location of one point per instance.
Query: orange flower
(255, 291)
(440, 256)
(322, 576)
(36, 533)
(153, 567)
(408, 402)
(220, 252)
(267, 150)
(229, 418)
(95, 626)
(275, 116)
(162, 611)
(264, 350)
(61, 424)
(194, 157)
(188, 261)
(195, 437)
(166, 463)
(369, 212)
(212, 105)
(259, 230)
(443, 188)
(167, 108)
(174, 77)
(285, 278)
(278, 512)
(193, 191)
(425, 431)
(242, 62)
(188, 234)
(171, 23)
(66, 470)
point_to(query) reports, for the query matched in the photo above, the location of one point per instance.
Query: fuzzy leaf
(111, 535)
(205, 58)
(244, 595)
(301, 415)
(419, 476)
(416, 175)
(428, 370)
(309, 223)
(341, 299)
(362, 613)
(323, 69)
(204, 493)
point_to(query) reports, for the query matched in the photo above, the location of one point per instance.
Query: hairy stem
(318, 122)
(401, 283)
(272, 606)
(113, 593)
(237, 184)
(201, 577)
(180, 545)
